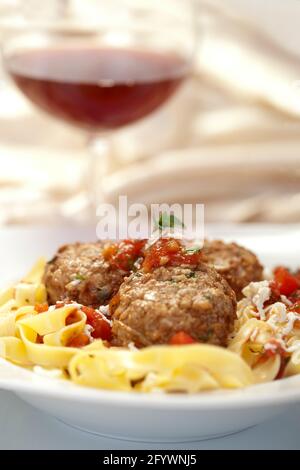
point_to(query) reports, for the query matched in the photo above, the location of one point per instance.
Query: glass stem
(98, 169)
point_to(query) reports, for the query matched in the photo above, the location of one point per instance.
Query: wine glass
(102, 65)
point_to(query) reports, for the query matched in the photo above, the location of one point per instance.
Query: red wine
(97, 88)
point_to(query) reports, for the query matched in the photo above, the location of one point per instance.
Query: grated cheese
(88, 330)
(104, 309)
(291, 318)
(286, 301)
(258, 293)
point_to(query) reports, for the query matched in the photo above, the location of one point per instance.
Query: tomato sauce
(181, 338)
(123, 255)
(79, 341)
(284, 281)
(41, 308)
(288, 284)
(101, 326)
(169, 252)
(277, 349)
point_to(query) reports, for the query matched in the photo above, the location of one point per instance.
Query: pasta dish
(162, 316)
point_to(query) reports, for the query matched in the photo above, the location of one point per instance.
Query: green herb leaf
(191, 274)
(193, 250)
(80, 277)
(168, 221)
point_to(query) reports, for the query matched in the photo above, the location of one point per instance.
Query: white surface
(26, 428)
(152, 417)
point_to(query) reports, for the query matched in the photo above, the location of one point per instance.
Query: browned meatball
(151, 307)
(235, 263)
(79, 272)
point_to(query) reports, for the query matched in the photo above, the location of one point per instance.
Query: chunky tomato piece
(285, 282)
(295, 308)
(39, 339)
(123, 255)
(276, 349)
(271, 352)
(181, 338)
(59, 304)
(41, 308)
(169, 252)
(79, 341)
(72, 317)
(101, 327)
(283, 364)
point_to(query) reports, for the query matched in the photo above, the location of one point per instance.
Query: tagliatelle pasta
(249, 341)
(183, 368)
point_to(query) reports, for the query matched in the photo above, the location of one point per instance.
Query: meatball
(235, 263)
(151, 307)
(79, 272)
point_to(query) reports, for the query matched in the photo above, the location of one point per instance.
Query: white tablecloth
(242, 106)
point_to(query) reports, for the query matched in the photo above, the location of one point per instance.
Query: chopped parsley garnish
(167, 221)
(206, 336)
(191, 274)
(193, 250)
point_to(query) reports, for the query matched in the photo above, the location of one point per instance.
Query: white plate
(167, 418)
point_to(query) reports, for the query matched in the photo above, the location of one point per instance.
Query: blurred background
(229, 139)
